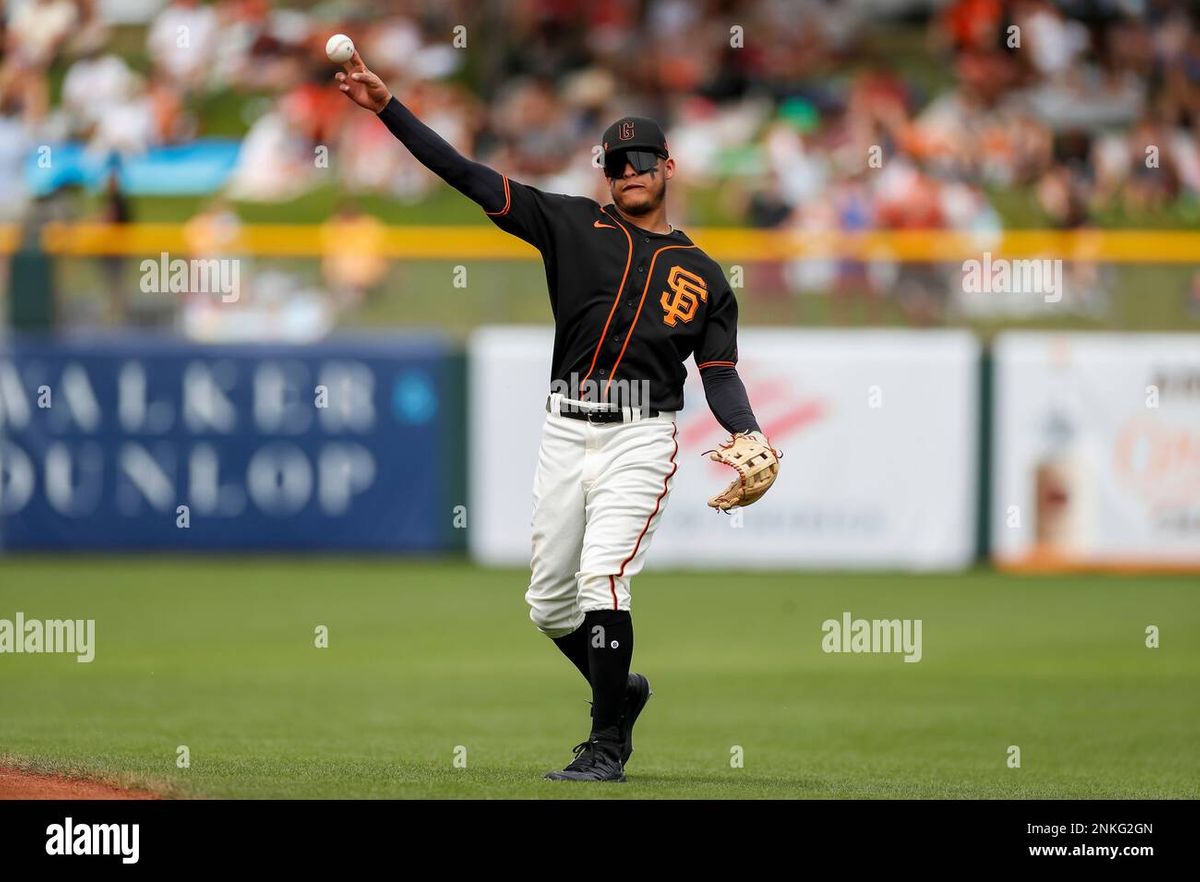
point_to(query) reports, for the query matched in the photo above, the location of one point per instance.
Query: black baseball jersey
(629, 305)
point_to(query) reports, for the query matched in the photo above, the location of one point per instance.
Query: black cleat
(637, 693)
(594, 761)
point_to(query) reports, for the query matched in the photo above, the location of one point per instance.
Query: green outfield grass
(218, 655)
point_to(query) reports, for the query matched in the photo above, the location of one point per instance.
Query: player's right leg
(559, 513)
(558, 526)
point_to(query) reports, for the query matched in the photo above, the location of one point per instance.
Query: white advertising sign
(1097, 450)
(878, 432)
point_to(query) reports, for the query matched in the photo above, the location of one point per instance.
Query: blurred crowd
(802, 114)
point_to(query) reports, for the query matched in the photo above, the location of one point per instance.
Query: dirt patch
(18, 784)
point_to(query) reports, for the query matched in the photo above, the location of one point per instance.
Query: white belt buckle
(557, 400)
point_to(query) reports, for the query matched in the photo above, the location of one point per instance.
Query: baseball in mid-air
(339, 48)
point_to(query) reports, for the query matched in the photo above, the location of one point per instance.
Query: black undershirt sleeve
(480, 184)
(727, 399)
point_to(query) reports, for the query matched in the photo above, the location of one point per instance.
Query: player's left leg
(625, 504)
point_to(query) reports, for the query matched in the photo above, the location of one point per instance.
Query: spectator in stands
(35, 33)
(182, 43)
(115, 208)
(15, 145)
(94, 87)
(1058, 113)
(38, 29)
(354, 262)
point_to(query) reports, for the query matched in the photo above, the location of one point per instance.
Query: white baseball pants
(598, 495)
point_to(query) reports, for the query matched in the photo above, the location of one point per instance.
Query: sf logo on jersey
(687, 291)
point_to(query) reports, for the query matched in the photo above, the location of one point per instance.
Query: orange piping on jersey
(612, 311)
(507, 201)
(712, 363)
(636, 315)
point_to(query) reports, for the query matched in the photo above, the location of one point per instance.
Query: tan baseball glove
(757, 465)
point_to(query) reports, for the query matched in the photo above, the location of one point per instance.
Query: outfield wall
(877, 429)
(1088, 454)
(346, 445)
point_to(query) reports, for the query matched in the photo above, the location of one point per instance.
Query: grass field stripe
(216, 652)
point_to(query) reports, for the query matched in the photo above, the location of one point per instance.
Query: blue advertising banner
(198, 167)
(152, 443)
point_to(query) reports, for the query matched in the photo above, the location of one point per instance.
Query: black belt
(600, 416)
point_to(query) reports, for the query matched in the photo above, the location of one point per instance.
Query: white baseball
(339, 48)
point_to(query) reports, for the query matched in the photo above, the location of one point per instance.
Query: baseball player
(632, 299)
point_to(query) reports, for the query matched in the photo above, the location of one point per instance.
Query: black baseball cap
(637, 140)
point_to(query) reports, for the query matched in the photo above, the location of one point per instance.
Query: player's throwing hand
(362, 86)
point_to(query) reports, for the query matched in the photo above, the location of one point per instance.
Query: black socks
(608, 636)
(574, 647)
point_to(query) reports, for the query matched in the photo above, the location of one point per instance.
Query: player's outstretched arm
(482, 185)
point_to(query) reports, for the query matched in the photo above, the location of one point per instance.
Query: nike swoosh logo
(599, 226)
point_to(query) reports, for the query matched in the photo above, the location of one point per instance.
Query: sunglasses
(641, 160)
